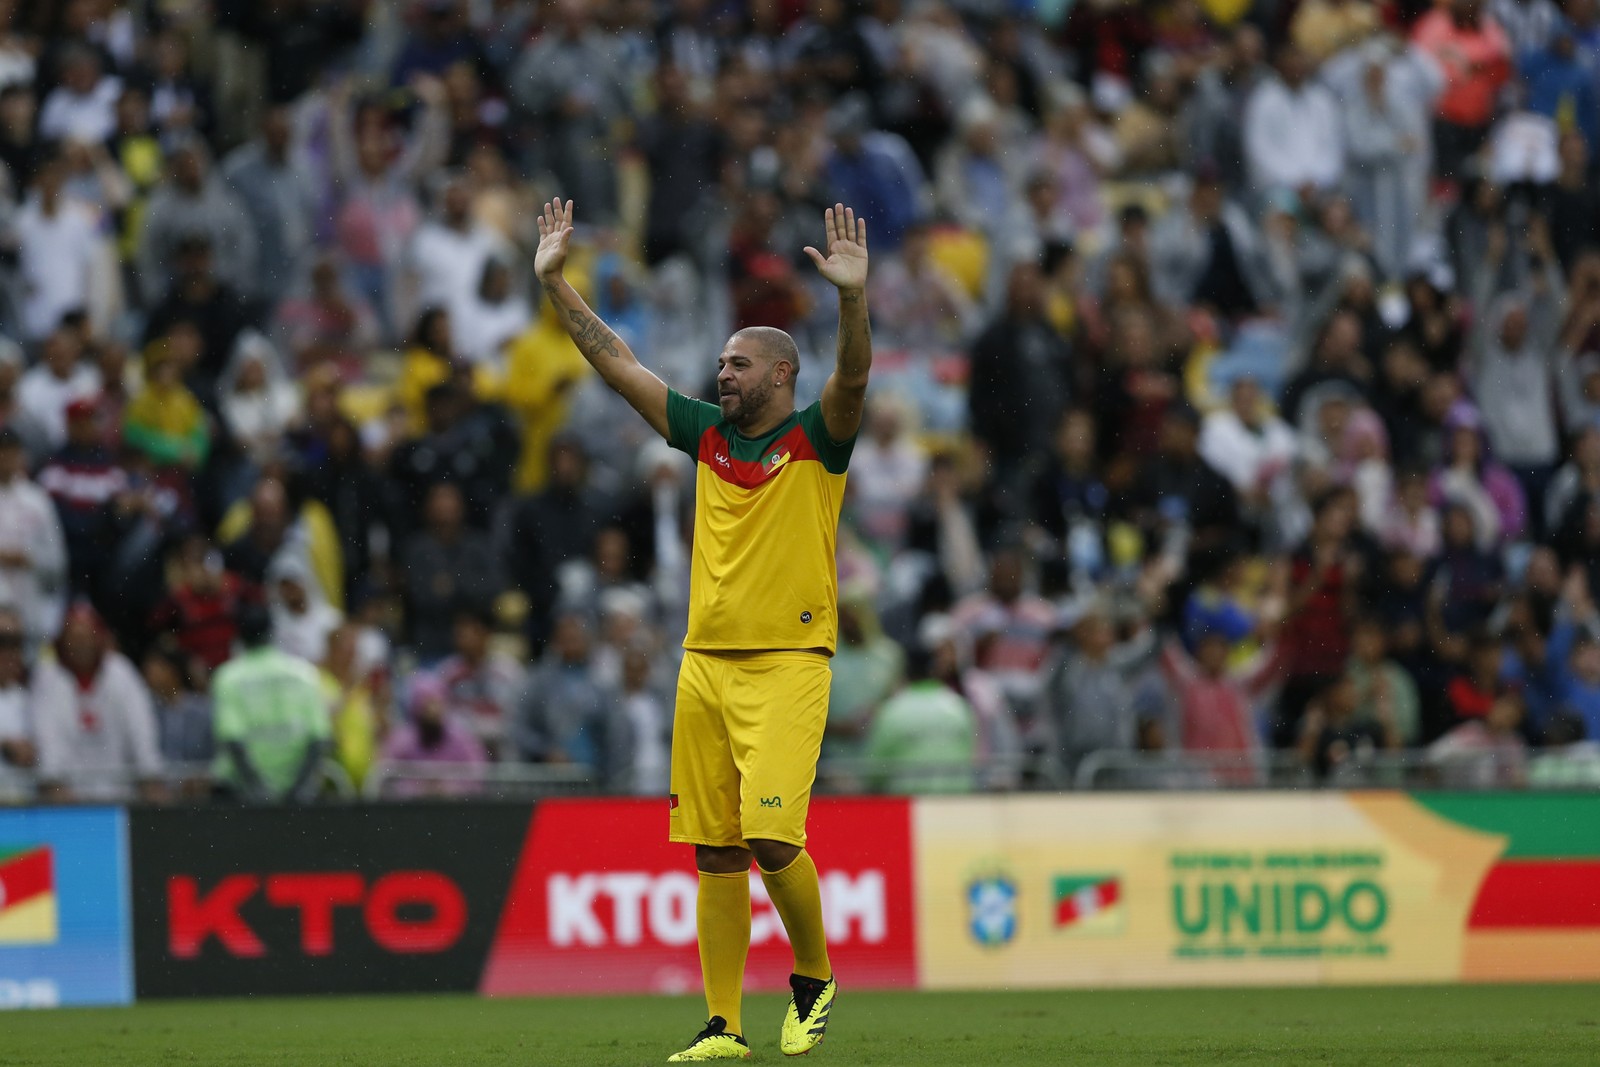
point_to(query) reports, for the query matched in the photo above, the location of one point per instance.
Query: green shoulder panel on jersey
(687, 421)
(835, 455)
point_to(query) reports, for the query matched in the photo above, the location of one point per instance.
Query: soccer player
(763, 620)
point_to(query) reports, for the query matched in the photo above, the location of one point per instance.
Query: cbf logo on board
(992, 908)
(1279, 905)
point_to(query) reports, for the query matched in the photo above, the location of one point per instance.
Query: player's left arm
(844, 396)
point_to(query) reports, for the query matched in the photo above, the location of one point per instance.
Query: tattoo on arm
(591, 335)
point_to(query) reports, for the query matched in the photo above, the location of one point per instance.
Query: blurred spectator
(201, 312)
(923, 739)
(90, 490)
(327, 323)
(1021, 370)
(272, 187)
(1573, 656)
(1487, 752)
(93, 720)
(495, 316)
(917, 302)
(483, 682)
(431, 734)
(193, 205)
(1217, 704)
(83, 105)
(201, 609)
(1379, 680)
(448, 255)
(875, 172)
(683, 150)
(258, 398)
(302, 618)
(59, 249)
(1475, 55)
(1292, 130)
(1333, 737)
(1319, 587)
(183, 716)
(1008, 627)
(375, 168)
(887, 471)
(445, 567)
(548, 529)
(1088, 696)
(573, 82)
(165, 421)
(646, 708)
(1250, 447)
(867, 668)
(565, 715)
(1208, 252)
(354, 695)
(18, 752)
(33, 551)
(272, 724)
(62, 378)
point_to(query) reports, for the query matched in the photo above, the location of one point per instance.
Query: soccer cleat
(713, 1043)
(807, 1018)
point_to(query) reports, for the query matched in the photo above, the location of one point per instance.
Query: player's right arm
(605, 351)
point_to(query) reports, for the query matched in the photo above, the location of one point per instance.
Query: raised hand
(555, 233)
(846, 263)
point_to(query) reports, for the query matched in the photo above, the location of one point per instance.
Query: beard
(741, 407)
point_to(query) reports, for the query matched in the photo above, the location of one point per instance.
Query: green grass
(1445, 1025)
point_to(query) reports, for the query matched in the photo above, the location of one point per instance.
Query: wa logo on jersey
(771, 462)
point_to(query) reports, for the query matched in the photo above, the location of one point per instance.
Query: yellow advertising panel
(1186, 889)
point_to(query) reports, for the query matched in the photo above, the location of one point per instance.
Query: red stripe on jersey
(715, 453)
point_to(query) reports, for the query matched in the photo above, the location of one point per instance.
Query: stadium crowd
(1237, 379)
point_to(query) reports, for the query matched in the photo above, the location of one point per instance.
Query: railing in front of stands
(1575, 767)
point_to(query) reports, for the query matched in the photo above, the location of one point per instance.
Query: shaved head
(751, 389)
(774, 345)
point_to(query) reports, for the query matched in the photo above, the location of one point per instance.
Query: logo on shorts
(672, 802)
(772, 802)
(805, 616)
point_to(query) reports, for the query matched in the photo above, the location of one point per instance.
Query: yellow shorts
(745, 739)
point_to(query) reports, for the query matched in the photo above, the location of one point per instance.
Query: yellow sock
(722, 918)
(798, 898)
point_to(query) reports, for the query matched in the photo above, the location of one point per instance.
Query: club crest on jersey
(773, 461)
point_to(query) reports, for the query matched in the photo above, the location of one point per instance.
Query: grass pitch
(1445, 1025)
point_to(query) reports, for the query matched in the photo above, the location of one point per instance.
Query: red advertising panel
(602, 903)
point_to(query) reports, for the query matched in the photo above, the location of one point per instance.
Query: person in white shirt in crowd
(84, 106)
(448, 255)
(302, 618)
(1249, 445)
(259, 400)
(33, 555)
(58, 247)
(1008, 627)
(497, 315)
(887, 471)
(18, 754)
(61, 378)
(645, 699)
(1292, 130)
(94, 721)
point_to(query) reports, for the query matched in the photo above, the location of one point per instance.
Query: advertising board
(1253, 889)
(64, 929)
(315, 900)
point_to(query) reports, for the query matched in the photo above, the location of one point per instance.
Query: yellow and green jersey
(766, 527)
